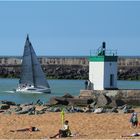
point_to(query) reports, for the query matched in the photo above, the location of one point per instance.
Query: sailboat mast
(32, 64)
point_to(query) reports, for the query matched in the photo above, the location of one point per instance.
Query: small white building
(103, 69)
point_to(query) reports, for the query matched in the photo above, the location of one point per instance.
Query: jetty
(70, 67)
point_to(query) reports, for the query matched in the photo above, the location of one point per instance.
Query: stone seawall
(51, 71)
(131, 97)
(70, 72)
(70, 67)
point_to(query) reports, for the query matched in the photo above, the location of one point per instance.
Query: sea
(58, 88)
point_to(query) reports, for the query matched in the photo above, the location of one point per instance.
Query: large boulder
(79, 101)
(116, 103)
(37, 112)
(67, 95)
(87, 94)
(53, 101)
(4, 106)
(26, 109)
(15, 109)
(26, 104)
(8, 102)
(103, 100)
(58, 100)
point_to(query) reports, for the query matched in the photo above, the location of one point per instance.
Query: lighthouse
(103, 69)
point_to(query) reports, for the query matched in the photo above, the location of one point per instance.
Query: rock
(8, 102)
(79, 101)
(78, 109)
(67, 95)
(113, 103)
(26, 109)
(39, 102)
(7, 112)
(116, 103)
(103, 100)
(92, 105)
(4, 106)
(44, 109)
(112, 93)
(53, 101)
(37, 112)
(50, 109)
(85, 109)
(63, 101)
(56, 109)
(87, 94)
(112, 110)
(31, 113)
(16, 109)
(119, 102)
(71, 109)
(99, 110)
(126, 109)
(26, 104)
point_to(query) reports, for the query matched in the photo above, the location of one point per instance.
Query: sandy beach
(85, 125)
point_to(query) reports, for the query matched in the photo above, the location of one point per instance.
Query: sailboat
(32, 79)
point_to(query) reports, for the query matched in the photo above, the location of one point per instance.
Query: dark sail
(26, 69)
(31, 71)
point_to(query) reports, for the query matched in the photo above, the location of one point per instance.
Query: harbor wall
(129, 61)
(69, 67)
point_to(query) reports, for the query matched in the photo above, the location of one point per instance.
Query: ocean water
(58, 87)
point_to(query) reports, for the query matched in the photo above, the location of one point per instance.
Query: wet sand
(85, 125)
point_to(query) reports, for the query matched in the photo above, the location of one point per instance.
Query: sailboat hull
(33, 90)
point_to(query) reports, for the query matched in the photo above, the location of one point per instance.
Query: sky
(70, 28)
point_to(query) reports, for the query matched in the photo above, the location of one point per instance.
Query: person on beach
(64, 132)
(86, 84)
(134, 120)
(132, 135)
(32, 128)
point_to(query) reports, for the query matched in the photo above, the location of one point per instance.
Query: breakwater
(105, 101)
(69, 67)
(128, 96)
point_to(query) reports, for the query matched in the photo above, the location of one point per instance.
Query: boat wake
(29, 92)
(13, 91)
(10, 91)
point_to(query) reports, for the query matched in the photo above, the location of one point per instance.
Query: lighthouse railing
(107, 52)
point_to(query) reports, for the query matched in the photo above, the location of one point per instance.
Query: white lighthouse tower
(103, 69)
